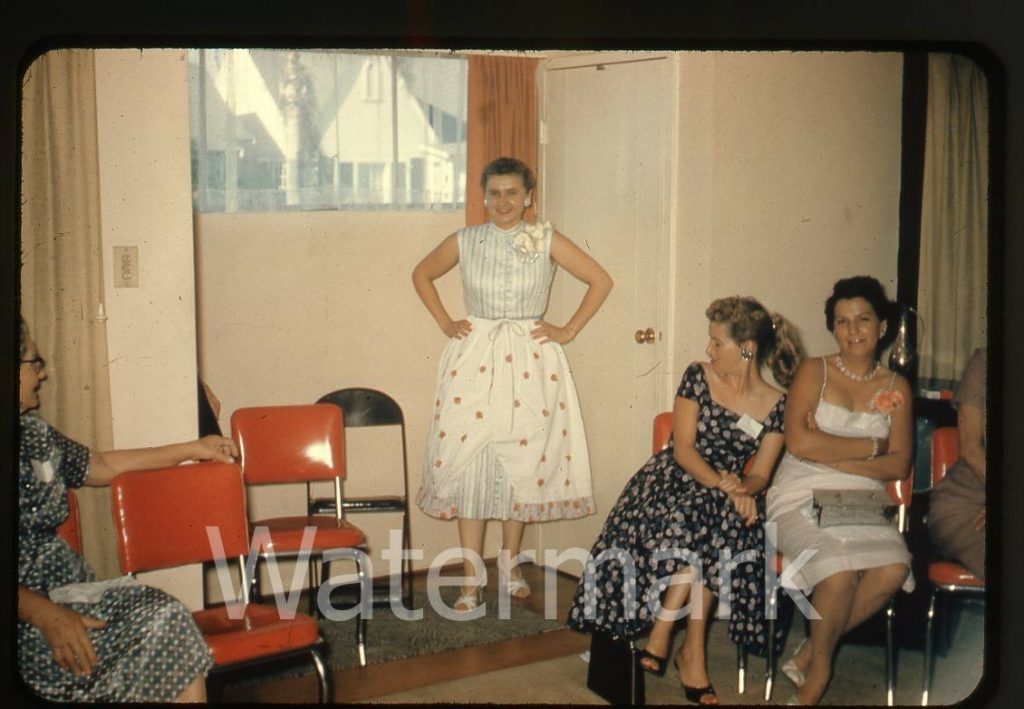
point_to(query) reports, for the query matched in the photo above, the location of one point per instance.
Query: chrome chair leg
(741, 669)
(890, 654)
(322, 676)
(361, 619)
(928, 646)
(314, 585)
(769, 670)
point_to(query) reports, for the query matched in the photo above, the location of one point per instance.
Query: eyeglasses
(37, 363)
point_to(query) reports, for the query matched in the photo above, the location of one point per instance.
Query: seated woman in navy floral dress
(132, 643)
(692, 509)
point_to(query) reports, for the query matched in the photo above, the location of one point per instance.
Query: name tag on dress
(43, 470)
(749, 426)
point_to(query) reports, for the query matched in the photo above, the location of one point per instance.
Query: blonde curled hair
(778, 342)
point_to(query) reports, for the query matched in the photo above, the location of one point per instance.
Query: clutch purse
(834, 508)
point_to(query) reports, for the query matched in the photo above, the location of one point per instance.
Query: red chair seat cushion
(946, 573)
(260, 632)
(331, 533)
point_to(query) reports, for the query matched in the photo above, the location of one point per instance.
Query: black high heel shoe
(695, 694)
(658, 671)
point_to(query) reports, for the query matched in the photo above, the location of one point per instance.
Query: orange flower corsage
(886, 401)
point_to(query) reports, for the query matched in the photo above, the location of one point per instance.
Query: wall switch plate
(126, 267)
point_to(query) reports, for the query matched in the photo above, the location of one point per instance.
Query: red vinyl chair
(161, 518)
(660, 440)
(944, 576)
(302, 443)
(70, 530)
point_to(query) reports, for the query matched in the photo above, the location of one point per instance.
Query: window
(278, 130)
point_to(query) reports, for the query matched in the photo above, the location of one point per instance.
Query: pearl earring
(746, 354)
(527, 202)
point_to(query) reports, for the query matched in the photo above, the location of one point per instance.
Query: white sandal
(789, 668)
(517, 587)
(469, 601)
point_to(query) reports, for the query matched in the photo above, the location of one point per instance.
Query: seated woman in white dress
(848, 427)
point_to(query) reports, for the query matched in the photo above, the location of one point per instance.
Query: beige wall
(788, 180)
(145, 201)
(293, 306)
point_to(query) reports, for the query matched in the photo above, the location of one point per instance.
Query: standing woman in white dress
(507, 439)
(848, 427)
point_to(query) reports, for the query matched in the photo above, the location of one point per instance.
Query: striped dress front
(507, 438)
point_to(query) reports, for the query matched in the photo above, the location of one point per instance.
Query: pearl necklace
(866, 377)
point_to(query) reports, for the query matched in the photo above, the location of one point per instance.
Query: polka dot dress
(150, 648)
(507, 439)
(664, 508)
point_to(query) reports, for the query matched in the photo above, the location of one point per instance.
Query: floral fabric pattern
(506, 438)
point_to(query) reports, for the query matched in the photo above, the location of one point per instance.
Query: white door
(606, 161)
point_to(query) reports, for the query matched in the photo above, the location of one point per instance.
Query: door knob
(647, 335)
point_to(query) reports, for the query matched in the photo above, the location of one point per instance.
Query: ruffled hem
(446, 508)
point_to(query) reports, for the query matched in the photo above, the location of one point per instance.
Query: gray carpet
(390, 638)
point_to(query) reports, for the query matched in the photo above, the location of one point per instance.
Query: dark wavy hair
(873, 292)
(508, 166)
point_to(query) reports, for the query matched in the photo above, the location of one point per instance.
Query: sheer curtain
(62, 269)
(953, 285)
(502, 121)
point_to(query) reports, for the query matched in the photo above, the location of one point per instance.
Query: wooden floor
(360, 684)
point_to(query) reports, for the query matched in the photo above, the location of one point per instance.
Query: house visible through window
(276, 130)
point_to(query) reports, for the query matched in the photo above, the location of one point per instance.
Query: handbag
(615, 672)
(834, 508)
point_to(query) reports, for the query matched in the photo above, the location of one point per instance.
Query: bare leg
(512, 541)
(195, 692)
(471, 536)
(833, 599)
(660, 639)
(874, 589)
(693, 668)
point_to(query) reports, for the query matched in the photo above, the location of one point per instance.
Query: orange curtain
(502, 120)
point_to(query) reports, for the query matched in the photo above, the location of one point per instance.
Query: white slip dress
(790, 506)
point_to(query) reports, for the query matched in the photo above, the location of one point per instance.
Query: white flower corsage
(530, 241)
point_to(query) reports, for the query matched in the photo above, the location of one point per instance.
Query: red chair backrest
(662, 431)
(945, 451)
(280, 444)
(161, 516)
(901, 490)
(70, 530)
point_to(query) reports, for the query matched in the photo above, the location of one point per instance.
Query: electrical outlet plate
(126, 267)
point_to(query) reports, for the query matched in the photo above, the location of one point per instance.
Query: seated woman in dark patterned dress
(130, 644)
(691, 509)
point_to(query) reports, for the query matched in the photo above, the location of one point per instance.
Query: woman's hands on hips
(457, 328)
(67, 633)
(547, 332)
